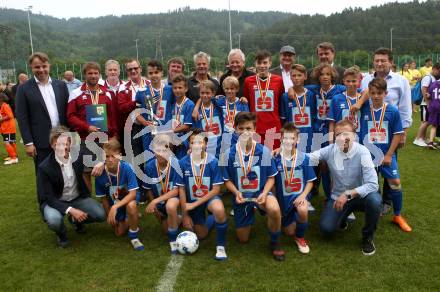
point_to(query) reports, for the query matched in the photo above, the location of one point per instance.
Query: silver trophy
(149, 102)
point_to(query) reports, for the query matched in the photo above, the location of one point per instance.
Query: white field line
(169, 276)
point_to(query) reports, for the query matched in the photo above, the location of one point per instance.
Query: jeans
(55, 220)
(331, 219)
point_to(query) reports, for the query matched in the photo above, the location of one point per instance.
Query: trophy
(149, 102)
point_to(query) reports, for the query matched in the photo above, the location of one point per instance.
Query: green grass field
(30, 259)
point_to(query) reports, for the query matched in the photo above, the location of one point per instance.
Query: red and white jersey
(76, 110)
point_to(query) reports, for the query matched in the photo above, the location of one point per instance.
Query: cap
(288, 49)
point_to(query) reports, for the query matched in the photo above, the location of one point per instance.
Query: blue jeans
(55, 220)
(331, 219)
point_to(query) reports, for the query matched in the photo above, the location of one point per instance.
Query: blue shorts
(244, 213)
(198, 215)
(162, 209)
(121, 213)
(289, 217)
(390, 171)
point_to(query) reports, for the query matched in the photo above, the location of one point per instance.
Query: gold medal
(263, 96)
(288, 176)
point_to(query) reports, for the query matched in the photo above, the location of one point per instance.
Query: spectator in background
(236, 68)
(287, 59)
(405, 72)
(176, 66)
(415, 85)
(425, 70)
(326, 55)
(71, 82)
(22, 78)
(201, 61)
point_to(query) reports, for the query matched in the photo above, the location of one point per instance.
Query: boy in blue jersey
(210, 118)
(293, 184)
(301, 111)
(162, 102)
(181, 113)
(249, 174)
(161, 187)
(199, 189)
(381, 126)
(341, 106)
(117, 187)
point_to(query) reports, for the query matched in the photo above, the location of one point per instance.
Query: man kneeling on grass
(355, 186)
(63, 191)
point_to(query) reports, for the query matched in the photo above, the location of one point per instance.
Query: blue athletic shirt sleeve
(100, 189)
(216, 175)
(309, 173)
(130, 176)
(187, 112)
(283, 106)
(396, 123)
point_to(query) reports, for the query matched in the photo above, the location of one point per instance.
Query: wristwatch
(349, 195)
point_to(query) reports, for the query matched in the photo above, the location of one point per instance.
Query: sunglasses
(132, 69)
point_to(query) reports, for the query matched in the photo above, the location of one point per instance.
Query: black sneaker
(432, 146)
(343, 226)
(368, 247)
(63, 242)
(277, 253)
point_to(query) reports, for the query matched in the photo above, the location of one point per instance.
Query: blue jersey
(340, 109)
(234, 109)
(212, 123)
(182, 114)
(263, 167)
(154, 179)
(380, 136)
(211, 176)
(162, 110)
(303, 117)
(289, 189)
(116, 187)
(323, 104)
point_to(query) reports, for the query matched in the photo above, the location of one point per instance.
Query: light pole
(230, 27)
(391, 38)
(30, 31)
(137, 51)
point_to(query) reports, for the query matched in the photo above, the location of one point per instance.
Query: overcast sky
(94, 8)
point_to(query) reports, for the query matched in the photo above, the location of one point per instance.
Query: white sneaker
(351, 217)
(420, 142)
(11, 161)
(232, 213)
(303, 247)
(137, 244)
(173, 247)
(220, 255)
(311, 209)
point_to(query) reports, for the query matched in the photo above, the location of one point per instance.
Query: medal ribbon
(246, 169)
(382, 115)
(302, 109)
(94, 97)
(167, 170)
(347, 98)
(160, 92)
(230, 115)
(288, 175)
(205, 116)
(266, 88)
(198, 179)
(115, 196)
(178, 111)
(141, 85)
(323, 95)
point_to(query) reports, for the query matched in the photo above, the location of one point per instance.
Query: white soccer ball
(187, 242)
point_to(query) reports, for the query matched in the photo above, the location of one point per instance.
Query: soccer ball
(187, 242)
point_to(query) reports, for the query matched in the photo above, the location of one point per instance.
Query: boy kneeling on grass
(117, 186)
(293, 184)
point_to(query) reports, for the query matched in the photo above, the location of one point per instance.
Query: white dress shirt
(286, 79)
(70, 190)
(49, 99)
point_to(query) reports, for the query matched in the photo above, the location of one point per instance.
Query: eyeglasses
(132, 69)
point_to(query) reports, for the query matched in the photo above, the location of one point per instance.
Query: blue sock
(396, 197)
(221, 229)
(301, 229)
(274, 236)
(133, 234)
(172, 234)
(326, 184)
(210, 222)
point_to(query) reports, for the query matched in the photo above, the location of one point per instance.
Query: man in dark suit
(326, 55)
(41, 104)
(62, 189)
(287, 59)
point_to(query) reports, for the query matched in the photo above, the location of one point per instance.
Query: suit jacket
(50, 183)
(32, 115)
(276, 71)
